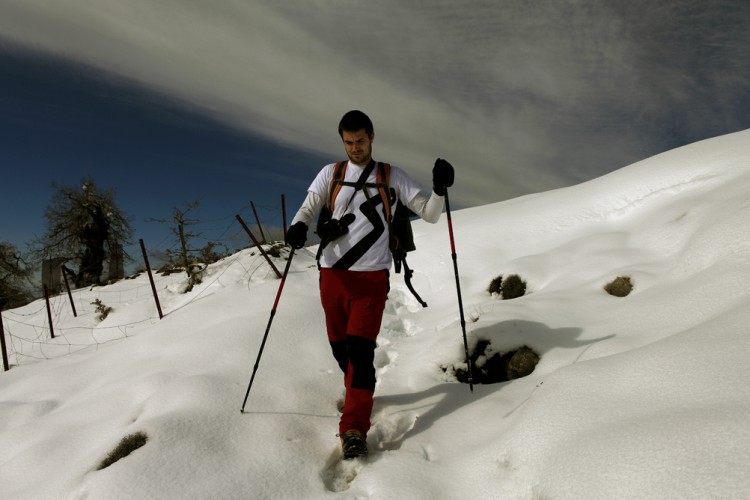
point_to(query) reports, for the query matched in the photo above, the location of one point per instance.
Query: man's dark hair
(355, 120)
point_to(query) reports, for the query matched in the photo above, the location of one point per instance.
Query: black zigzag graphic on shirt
(370, 210)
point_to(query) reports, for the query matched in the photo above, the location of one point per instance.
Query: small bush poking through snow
(496, 285)
(127, 445)
(275, 249)
(102, 310)
(168, 269)
(513, 287)
(619, 287)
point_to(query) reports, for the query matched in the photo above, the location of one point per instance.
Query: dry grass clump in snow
(127, 445)
(275, 249)
(619, 287)
(522, 363)
(101, 309)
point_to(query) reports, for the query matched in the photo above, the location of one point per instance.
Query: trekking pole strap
(407, 279)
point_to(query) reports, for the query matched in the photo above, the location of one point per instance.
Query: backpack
(401, 237)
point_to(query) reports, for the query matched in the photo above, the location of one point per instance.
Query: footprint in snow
(390, 429)
(339, 474)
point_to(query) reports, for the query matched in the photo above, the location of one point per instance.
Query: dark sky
(62, 123)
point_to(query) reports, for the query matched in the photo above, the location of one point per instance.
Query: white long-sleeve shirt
(366, 245)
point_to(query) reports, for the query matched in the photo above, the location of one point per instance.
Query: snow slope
(644, 396)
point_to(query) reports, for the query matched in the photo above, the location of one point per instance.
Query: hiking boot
(353, 444)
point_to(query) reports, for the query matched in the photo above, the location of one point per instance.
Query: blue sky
(171, 101)
(62, 122)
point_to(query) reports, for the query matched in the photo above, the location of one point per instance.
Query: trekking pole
(458, 290)
(268, 328)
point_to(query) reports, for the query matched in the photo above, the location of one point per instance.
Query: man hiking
(355, 258)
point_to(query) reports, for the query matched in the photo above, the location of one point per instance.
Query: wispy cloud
(521, 96)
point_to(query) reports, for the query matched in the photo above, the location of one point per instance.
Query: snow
(644, 396)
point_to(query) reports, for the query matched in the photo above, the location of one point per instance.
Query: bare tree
(15, 277)
(179, 224)
(84, 225)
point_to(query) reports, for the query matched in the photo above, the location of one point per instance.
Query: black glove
(296, 236)
(442, 176)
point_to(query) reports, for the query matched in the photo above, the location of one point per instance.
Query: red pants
(353, 302)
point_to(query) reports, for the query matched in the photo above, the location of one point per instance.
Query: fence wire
(27, 329)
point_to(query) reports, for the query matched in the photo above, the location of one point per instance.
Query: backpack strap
(383, 184)
(337, 182)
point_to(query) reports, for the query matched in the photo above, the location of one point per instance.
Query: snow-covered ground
(645, 396)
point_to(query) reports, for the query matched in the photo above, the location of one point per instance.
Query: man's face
(358, 145)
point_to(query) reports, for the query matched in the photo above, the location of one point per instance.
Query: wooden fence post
(64, 271)
(6, 366)
(257, 244)
(257, 219)
(49, 311)
(151, 279)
